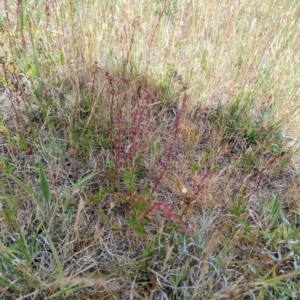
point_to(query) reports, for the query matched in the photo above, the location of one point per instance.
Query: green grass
(149, 150)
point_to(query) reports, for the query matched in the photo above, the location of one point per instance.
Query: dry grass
(149, 150)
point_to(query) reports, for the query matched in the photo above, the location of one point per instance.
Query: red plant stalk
(167, 209)
(112, 93)
(136, 129)
(115, 127)
(171, 215)
(171, 148)
(10, 94)
(18, 11)
(48, 15)
(94, 78)
(119, 145)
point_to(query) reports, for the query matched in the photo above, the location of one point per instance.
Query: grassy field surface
(149, 149)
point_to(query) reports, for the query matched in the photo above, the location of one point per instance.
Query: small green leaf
(62, 59)
(24, 186)
(4, 130)
(55, 255)
(153, 152)
(83, 180)
(9, 167)
(28, 190)
(22, 142)
(33, 71)
(196, 167)
(44, 184)
(245, 224)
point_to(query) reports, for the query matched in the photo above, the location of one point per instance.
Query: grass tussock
(149, 150)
